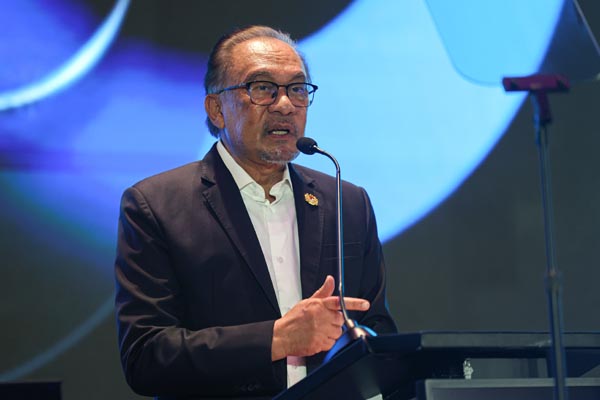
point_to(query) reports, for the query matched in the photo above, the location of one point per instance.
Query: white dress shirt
(276, 226)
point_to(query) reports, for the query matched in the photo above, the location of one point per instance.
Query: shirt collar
(240, 176)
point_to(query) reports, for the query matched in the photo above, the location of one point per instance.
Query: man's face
(262, 136)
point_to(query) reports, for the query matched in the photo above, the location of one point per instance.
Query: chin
(279, 156)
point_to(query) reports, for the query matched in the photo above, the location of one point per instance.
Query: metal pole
(553, 279)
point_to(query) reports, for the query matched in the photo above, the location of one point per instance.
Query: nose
(282, 103)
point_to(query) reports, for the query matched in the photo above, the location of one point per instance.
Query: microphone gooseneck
(353, 331)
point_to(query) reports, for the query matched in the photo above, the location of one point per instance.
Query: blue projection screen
(86, 111)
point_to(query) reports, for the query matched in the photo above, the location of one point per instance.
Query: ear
(212, 105)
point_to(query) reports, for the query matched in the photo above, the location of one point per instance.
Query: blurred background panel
(96, 95)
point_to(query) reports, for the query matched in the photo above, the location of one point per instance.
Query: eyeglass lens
(264, 92)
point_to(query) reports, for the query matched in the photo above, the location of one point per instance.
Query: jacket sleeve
(159, 354)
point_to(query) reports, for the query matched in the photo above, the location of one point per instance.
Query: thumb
(326, 290)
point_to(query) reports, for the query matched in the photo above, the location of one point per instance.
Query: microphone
(308, 146)
(353, 330)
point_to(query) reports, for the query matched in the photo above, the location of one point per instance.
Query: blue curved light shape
(75, 68)
(399, 117)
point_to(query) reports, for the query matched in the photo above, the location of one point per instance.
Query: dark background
(475, 262)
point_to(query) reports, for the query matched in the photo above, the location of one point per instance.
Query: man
(224, 266)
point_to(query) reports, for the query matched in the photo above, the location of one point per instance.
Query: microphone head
(307, 145)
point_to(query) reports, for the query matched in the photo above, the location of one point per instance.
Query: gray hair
(219, 60)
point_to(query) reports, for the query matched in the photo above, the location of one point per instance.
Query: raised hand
(313, 325)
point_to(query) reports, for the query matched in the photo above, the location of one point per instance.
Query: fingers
(308, 328)
(352, 303)
(314, 324)
(326, 290)
(333, 302)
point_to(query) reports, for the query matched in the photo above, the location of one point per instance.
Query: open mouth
(279, 132)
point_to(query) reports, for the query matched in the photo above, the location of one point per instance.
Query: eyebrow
(267, 75)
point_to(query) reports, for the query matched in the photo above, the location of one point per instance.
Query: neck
(265, 175)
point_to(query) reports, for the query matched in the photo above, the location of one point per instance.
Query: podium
(447, 365)
(41, 390)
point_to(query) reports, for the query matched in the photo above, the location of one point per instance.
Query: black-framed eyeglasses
(264, 93)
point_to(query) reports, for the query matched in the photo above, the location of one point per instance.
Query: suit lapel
(225, 199)
(310, 230)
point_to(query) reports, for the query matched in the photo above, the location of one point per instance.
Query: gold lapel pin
(311, 199)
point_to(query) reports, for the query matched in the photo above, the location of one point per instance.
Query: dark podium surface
(394, 364)
(503, 389)
(42, 390)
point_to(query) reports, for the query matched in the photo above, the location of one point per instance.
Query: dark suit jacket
(195, 304)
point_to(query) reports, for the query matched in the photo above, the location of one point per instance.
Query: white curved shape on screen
(64, 344)
(72, 70)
